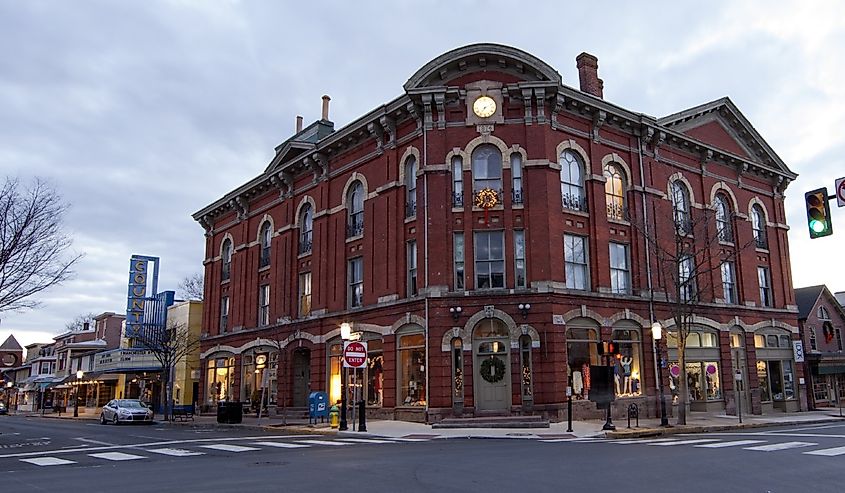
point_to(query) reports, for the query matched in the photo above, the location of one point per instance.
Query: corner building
(482, 232)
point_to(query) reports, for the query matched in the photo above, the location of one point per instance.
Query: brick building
(483, 231)
(822, 322)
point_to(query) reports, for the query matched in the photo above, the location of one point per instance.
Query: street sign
(840, 192)
(354, 354)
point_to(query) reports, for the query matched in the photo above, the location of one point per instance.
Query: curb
(678, 429)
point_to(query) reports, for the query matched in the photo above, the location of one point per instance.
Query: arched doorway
(491, 369)
(301, 376)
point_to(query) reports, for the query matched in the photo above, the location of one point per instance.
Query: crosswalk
(753, 445)
(198, 449)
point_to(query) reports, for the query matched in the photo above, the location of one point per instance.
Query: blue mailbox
(318, 406)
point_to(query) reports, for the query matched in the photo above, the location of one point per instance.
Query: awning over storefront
(831, 369)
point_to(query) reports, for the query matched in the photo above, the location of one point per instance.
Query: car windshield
(131, 404)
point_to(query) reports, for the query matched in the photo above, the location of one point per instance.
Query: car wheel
(114, 420)
(102, 419)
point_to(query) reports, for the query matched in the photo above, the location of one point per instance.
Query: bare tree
(33, 246)
(191, 287)
(79, 321)
(168, 345)
(688, 255)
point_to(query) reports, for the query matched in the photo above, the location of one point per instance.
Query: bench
(183, 412)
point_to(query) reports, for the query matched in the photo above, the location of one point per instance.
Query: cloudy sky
(141, 113)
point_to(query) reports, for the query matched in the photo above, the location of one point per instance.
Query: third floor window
(614, 192)
(355, 206)
(489, 260)
(723, 219)
(265, 237)
(226, 254)
(758, 224)
(411, 187)
(681, 208)
(306, 225)
(487, 168)
(572, 191)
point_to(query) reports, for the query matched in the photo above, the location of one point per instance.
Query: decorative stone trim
(679, 176)
(298, 214)
(723, 187)
(410, 151)
(408, 319)
(481, 315)
(617, 159)
(757, 201)
(580, 151)
(481, 140)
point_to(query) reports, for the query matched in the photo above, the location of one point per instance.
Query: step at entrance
(493, 422)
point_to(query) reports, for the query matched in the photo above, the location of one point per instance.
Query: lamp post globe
(345, 334)
(656, 335)
(79, 374)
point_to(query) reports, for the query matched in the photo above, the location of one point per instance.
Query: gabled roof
(11, 344)
(725, 112)
(303, 141)
(806, 298)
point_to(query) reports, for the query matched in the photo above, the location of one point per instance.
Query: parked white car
(126, 411)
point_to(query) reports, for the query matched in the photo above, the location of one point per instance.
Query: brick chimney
(588, 74)
(326, 100)
(298, 123)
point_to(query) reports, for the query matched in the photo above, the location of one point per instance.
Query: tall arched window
(265, 239)
(355, 205)
(487, 168)
(614, 192)
(306, 225)
(758, 224)
(572, 182)
(226, 254)
(457, 181)
(516, 178)
(411, 187)
(681, 208)
(723, 219)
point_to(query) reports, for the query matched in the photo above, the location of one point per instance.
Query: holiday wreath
(492, 369)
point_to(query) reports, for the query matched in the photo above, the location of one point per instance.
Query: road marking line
(282, 444)
(646, 441)
(47, 461)
(365, 440)
(735, 443)
(828, 452)
(684, 442)
(412, 439)
(229, 448)
(116, 456)
(95, 442)
(780, 446)
(175, 452)
(323, 442)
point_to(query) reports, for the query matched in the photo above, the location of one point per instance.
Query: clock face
(260, 359)
(8, 359)
(484, 106)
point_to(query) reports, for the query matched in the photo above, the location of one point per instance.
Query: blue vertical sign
(143, 285)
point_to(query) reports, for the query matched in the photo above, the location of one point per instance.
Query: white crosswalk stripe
(229, 448)
(647, 441)
(828, 452)
(684, 442)
(323, 442)
(47, 461)
(364, 440)
(175, 452)
(282, 444)
(735, 443)
(117, 456)
(772, 447)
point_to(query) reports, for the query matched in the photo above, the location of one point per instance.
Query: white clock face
(484, 106)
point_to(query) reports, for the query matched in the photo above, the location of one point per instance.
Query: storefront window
(220, 379)
(712, 381)
(774, 380)
(256, 363)
(788, 381)
(628, 367)
(335, 355)
(412, 370)
(694, 381)
(375, 372)
(763, 380)
(703, 381)
(581, 353)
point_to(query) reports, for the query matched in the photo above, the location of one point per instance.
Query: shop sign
(798, 351)
(354, 354)
(142, 286)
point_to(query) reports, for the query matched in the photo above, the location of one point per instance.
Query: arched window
(411, 187)
(614, 192)
(226, 254)
(516, 178)
(758, 224)
(681, 208)
(526, 369)
(265, 239)
(355, 206)
(823, 313)
(628, 367)
(581, 352)
(457, 181)
(457, 371)
(487, 168)
(306, 225)
(723, 219)
(572, 182)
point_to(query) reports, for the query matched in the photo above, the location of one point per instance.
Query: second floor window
(356, 283)
(572, 182)
(814, 346)
(306, 225)
(264, 305)
(519, 258)
(620, 272)
(489, 260)
(411, 187)
(516, 178)
(575, 261)
(265, 237)
(723, 219)
(355, 205)
(758, 224)
(486, 168)
(728, 282)
(304, 294)
(681, 208)
(412, 268)
(765, 286)
(458, 245)
(614, 192)
(224, 314)
(226, 254)
(686, 278)
(457, 182)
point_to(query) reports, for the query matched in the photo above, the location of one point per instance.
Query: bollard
(362, 416)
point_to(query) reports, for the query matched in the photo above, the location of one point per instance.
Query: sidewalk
(696, 423)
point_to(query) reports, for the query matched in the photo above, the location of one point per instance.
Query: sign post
(355, 356)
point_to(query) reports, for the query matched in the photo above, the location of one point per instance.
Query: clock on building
(484, 106)
(8, 359)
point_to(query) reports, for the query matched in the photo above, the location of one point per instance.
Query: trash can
(230, 413)
(222, 413)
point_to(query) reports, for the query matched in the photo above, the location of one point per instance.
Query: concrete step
(493, 422)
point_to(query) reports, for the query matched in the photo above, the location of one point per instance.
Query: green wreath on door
(492, 369)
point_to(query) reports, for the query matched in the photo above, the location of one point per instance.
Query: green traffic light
(817, 226)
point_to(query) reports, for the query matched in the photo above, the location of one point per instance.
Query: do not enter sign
(354, 354)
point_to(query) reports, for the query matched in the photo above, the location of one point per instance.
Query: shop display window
(220, 379)
(335, 357)
(375, 372)
(255, 363)
(627, 368)
(763, 380)
(411, 363)
(703, 381)
(581, 353)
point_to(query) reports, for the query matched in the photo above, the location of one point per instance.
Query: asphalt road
(38, 454)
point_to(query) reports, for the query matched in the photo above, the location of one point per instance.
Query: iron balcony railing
(574, 202)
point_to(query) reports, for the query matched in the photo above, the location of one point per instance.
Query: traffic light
(818, 213)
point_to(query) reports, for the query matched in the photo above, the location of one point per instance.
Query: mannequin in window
(626, 373)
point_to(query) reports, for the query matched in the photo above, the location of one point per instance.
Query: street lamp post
(9, 386)
(345, 333)
(656, 335)
(79, 374)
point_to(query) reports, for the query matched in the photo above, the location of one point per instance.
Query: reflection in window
(489, 260)
(758, 224)
(356, 282)
(620, 274)
(355, 213)
(575, 261)
(723, 219)
(306, 225)
(411, 187)
(411, 366)
(458, 240)
(457, 182)
(572, 182)
(486, 168)
(220, 379)
(681, 208)
(265, 237)
(581, 352)
(519, 258)
(226, 255)
(614, 192)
